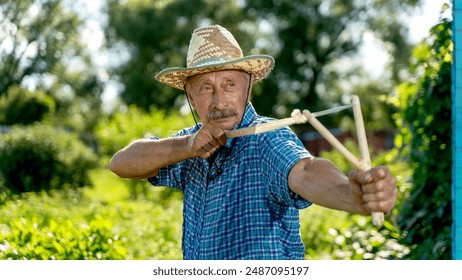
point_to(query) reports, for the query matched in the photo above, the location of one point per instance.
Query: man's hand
(206, 141)
(375, 189)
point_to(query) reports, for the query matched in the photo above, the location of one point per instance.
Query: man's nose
(218, 98)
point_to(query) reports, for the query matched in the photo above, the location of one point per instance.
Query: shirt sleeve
(281, 150)
(166, 176)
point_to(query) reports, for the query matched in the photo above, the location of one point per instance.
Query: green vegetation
(58, 200)
(87, 224)
(20, 106)
(40, 157)
(116, 131)
(425, 138)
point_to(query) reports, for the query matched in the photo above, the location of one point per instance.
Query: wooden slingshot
(297, 117)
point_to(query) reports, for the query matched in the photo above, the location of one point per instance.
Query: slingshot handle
(377, 217)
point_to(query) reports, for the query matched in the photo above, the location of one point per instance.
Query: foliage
(38, 36)
(425, 138)
(42, 50)
(72, 225)
(329, 234)
(149, 225)
(37, 229)
(33, 42)
(313, 38)
(118, 130)
(376, 111)
(39, 157)
(19, 106)
(150, 47)
(59, 240)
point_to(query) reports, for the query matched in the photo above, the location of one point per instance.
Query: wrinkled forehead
(224, 74)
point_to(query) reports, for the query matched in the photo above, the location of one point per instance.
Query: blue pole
(457, 131)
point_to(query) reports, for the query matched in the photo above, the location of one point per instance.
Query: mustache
(216, 114)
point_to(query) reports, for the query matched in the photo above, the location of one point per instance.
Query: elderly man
(242, 195)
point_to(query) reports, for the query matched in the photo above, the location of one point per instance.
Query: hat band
(211, 61)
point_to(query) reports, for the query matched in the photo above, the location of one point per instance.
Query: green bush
(66, 240)
(330, 234)
(20, 106)
(425, 140)
(40, 157)
(39, 230)
(117, 131)
(149, 225)
(71, 225)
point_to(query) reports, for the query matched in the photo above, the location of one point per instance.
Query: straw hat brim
(258, 65)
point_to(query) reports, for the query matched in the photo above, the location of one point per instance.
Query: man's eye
(205, 89)
(229, 85)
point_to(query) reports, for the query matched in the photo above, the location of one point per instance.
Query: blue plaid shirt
(239, 206)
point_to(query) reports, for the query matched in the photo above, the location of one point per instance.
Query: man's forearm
(320, 182)
(143, 158)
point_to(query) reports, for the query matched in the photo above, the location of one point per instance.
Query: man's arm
(143, 158)
(321, 182)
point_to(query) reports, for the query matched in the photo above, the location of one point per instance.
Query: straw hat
(213, 48)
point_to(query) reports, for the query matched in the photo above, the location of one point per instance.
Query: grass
(107, 187)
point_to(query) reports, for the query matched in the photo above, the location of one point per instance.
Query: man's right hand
(206, 141)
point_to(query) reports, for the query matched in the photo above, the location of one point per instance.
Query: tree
(425, 138)
(316, 39)
(41, 50)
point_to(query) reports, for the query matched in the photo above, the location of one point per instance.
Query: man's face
(219, 97)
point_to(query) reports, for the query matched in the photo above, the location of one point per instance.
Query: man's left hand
(377, 189)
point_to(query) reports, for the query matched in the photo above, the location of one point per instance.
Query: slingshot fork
(364, 163)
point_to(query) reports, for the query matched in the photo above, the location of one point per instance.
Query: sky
(422, 21)
(419, 26)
